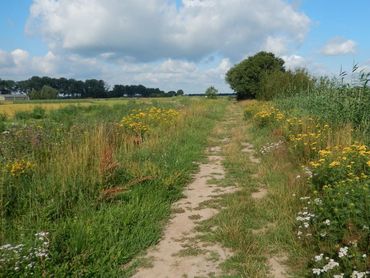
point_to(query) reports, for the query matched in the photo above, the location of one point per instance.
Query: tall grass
(102, 195)
(334, 102)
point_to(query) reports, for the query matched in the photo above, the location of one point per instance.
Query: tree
(211, 92)
(95, 88)
(180, 93)
(244, 78)
(46, 92)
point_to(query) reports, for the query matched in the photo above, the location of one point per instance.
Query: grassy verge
(256, 229)
(332, 204)
(82, 194)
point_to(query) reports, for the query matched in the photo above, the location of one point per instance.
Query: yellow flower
(334, 164)
(324, 153)
(368, 163)
(315, 164)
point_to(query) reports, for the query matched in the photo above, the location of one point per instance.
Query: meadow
(323, 137)
(11, 108)
(85, 188)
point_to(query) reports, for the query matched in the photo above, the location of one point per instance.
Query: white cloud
(149, 30)
(294, 61)
(153, 42)
(18, 64)
(6, 59)
(339, 46)
(276, 45)
(19, 56)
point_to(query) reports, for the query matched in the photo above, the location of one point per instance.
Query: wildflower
(319, 257)
(330, 265)
(316, 271)
(334, 164)
(327, 222)
(368, 163)
(357, 274)
(315, 164)
(343, 252)
(338, 275)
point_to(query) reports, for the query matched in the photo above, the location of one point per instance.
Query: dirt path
(181, 252)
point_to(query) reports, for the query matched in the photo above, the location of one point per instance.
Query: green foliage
(211, 92)
(245, 77)
(37, 113)
(46, 92)
(284, 84)
(333, 221)
(2, 122)
(180, 93)
(334, 104)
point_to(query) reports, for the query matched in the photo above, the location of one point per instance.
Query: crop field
(10, 108)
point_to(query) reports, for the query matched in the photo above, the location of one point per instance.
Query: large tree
(244, 78)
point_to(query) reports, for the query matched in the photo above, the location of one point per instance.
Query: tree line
(46, 87)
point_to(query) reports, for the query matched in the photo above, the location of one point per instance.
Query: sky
(177, 44)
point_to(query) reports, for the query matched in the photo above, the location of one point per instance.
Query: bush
(244, 78)
(283, 84)
(38, 113)
(211, 92)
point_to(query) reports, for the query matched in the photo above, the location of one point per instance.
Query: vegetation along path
(215, 230)
(183, 252)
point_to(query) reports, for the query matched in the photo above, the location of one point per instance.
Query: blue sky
(187, 44)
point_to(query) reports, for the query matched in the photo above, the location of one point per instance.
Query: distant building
(10, 97)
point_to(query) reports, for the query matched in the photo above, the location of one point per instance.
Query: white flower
(323, 234)
(306, 224)
(319, 257)
(299, 233)
(6, 246)
(330, 265)
(343, 252)
(339, 275)
(327, 222)
(356, 274)
(364, 255)
(318, 201)
(316, 271)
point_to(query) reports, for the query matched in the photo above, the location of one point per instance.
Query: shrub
(211, 92)
(284, 84)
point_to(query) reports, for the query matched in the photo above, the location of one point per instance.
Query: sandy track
(181, 253)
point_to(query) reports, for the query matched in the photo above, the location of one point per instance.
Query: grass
(255, 230)
(102, 195)
(331, 204)
(10, 108)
